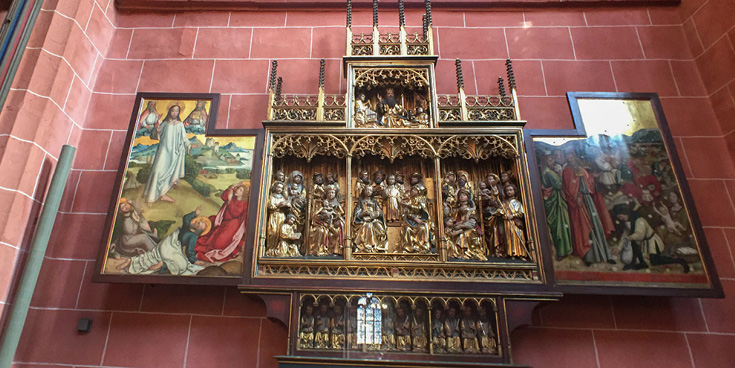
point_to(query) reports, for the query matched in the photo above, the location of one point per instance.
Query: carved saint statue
(515, 241)
(317, 192)
(379, 183)
(306, 329)
(452, 332)
(362, 181)
(416, 229)
(449, 191)
(403, 329)
(364, 114)
(321, 338)
(390, 113)
(393, 193)
(321, 229)
(290, 238)
(370, 235)
(438, 338)
(464, 235)
(486, 333)
(389, 330)
(332, 181)
(468, 330)
(337, 230)
(337, 328)
(491, 196)
(278, 205)
(418, 331)
(352, 327)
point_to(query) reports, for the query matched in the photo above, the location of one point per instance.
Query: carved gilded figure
(296, 184)
(465, 233)
(320, 230)
(279, 176)
(318, 192)
(420, 118)
(486, 333)
(290, 238)
(415, 178)
(363, 180)
(391, 114)
(438, 337)
(402, 329)
(416, 229)
(492, 215)
(463, 182)
(306, 329)
(298, 206)
(389, 330)
(278, 205)
(337, 233)
(337, 328)
(332, 181)
(321, 327)
(449, 191)
(369, 235)
(365, 116)
(394, 192)
(452, 332)
(515, 246)
(418, 331)
(468, 330)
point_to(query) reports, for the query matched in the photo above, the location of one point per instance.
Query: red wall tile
(328, 43)
(176, 76)
(48, 294)
(493, 19)
(208, 300)
(645, 76)
(100, 30)
(717, 65)
(664, 42)
(324, 18)
(281, 43)
(202, 19)
(241, 76)
(708, 199)
(238, 304)
(274, 339)
(257, 19)
(654, 313)
(687, 78)
(107, 296)
(554, 17)
(714, 19)
(235, 342)
(98, 115)
(539, 43)
(129, 20)
(118, 76)
(700, 151)
(158, 340)
(721, 252)
(546, 112)
(710, 350)
(638, 348)
(528, 74)
(614, 17)
(685, 115)
(579, 311)
(223, 43)
(119, 43)
(94, 191)
(162, 43)
(554, 348)
(471, 43)
(606, 43)
(51, 336)
(65, 241)
(718, 312)
(8, 257)
(664, 15)
(247, 111)
(589, 76)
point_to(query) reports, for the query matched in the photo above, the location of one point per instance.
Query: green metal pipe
(17, 317)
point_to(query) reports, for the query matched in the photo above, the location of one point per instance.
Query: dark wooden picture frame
(712, 289)
(210, 131)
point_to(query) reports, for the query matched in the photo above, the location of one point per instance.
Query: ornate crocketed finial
(425, 24)
(272, 80)
(428, 12)
(460, 77)
(401, 14)
(501, 87)
(511, 75)
(321, 73)
(349, 13)
(375, 13)
(278, 88)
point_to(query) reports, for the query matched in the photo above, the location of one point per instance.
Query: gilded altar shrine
(397, 219)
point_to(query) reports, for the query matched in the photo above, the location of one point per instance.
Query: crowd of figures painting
(200, 241)
(480, 222)
(616, 200)
(467, 329)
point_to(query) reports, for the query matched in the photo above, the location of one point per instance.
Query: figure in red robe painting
(228, 228)
(588, 232)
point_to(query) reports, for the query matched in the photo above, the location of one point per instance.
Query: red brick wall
(554, 51)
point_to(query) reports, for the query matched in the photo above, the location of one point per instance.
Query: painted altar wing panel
(618, 213)
(181, 204)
